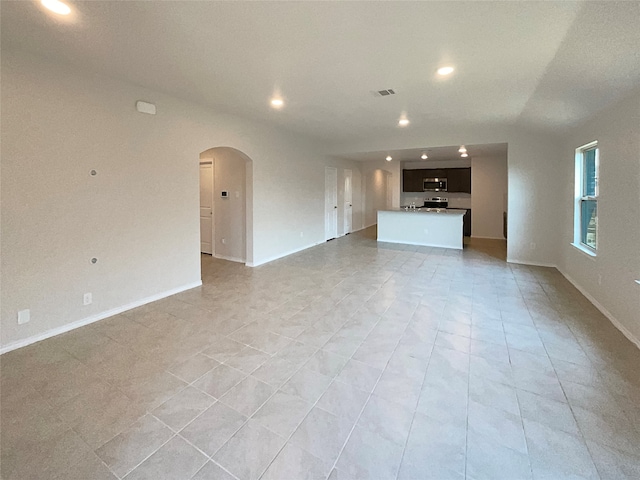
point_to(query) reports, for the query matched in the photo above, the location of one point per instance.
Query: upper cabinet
(435, 173)
(458, 179)
(412, 180)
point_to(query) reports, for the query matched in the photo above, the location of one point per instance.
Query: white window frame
(579, 197)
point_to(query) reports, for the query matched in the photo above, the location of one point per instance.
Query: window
(586, 207)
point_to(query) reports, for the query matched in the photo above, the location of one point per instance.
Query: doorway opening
(378, 194)
(226, 204)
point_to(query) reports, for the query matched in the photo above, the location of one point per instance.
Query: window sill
(591, 254)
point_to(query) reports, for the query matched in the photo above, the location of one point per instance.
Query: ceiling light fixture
(464, 155)
(445, 70)
(462, 149)
(403, 122)
(424, 156)
(56, 6)
(277, 103)
(389, 158)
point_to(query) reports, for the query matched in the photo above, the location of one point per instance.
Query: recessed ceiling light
(403, 122)
(424, 156)
(56, 6)
(462, 149)
(445, 70)
(389, 158)
(277, 103)
(465, 154)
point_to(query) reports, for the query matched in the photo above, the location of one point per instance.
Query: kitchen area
(448, 195)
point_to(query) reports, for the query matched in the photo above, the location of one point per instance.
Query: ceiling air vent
(384, 93)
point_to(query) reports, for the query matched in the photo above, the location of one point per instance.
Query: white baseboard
(532, 264)
(603, 310)
(616, 323)
(94, 318)
(291, 252)
(362, 228)
(281, 255)
(488, 238)
(230, 259)
(354, 230)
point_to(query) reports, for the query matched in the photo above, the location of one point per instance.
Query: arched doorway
(226, 204)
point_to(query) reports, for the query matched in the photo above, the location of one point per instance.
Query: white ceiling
(449, 153)
(543, 65)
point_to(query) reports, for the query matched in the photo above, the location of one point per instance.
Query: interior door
(206, 208)
(330, 203)
(348, 201)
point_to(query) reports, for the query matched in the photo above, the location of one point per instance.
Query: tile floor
(350, 360)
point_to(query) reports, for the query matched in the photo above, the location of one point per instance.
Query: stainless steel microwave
(434, 184)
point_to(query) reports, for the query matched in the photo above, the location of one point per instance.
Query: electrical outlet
(224, 241)
(24, 316)
(301, 234)
(87, 299)
(599, 279)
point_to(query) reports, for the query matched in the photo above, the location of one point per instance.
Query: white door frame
(348, 202)
(330, 203)
(206, 213)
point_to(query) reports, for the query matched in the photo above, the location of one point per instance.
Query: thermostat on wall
(146, 107)
(224, 194)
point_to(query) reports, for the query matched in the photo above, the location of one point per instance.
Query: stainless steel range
(436, 202)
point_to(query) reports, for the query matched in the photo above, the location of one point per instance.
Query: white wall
(375, 194)
(229, 214)
(617, 130)
(534, 185)
(139, 215)
(488, 190)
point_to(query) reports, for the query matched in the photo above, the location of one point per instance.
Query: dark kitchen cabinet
(466, 223)
(435, 173)
(454, 179)
(465, 184)
(459, 180)
(412, 180)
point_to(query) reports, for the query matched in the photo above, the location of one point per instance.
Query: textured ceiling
(542, 65)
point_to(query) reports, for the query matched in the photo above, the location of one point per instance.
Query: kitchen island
(429, 227)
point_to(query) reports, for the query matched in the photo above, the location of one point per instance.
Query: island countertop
(430, 227)
(439, 211)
